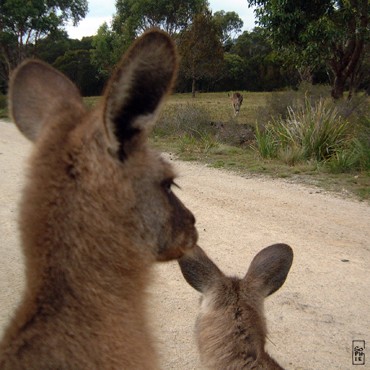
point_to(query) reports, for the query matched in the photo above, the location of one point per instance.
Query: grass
(332, 158)
(218, 105)
(204, 129)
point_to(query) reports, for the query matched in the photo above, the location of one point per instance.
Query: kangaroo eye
(167, 185)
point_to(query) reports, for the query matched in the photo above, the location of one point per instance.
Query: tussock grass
(313, 133)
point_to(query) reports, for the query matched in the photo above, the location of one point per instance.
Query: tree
(310, 32)
(201, 50)
(262, 68)
(172, 16)
(76, 64)
(230, 26)
(108, 47)
(24, 23)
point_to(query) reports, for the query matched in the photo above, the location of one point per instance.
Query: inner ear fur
(37, 91)
(141, 81)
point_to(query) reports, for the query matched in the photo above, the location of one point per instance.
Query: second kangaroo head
(231, 328)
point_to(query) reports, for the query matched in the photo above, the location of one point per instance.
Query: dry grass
(219, 107)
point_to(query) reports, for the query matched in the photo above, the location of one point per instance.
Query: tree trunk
(193, 88)
(347, 58)
(338, 87)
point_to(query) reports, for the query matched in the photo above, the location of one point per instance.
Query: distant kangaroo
(231, 329)
(96, 213)
(236, 101)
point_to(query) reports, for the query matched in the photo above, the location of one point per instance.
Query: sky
(101, 11)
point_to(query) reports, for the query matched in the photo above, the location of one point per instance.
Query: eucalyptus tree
(172, 16)
(230, 25)
(24, 23)
(312, 32)
(201, 51)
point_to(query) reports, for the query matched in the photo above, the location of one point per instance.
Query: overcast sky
(101, 11)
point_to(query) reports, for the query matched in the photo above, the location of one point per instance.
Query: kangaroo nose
(192, 219)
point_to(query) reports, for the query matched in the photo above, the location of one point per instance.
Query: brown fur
(96, 213)
(231, 328)
(236, 101)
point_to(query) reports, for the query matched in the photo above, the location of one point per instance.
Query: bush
(235, 134)
(355, 157)
(183, 119)
(279, 103)
(190, 124)
(312, 132)
(266, 142)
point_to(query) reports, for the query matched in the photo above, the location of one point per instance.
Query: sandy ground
(312, 320)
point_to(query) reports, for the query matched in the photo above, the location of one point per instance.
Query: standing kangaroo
(236, 101)
(96, 213)
(231, 329)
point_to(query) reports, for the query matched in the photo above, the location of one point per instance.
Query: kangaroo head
(95, 185)
(231, 327)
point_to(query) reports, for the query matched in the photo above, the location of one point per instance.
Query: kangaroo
(236, 101)
(230, 328)
(96, 213)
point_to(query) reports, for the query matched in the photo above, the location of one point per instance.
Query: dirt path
(312, 320)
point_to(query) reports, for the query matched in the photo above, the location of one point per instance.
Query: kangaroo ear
(143, 78)
(198, 270)
(269, 268)
(36, 93)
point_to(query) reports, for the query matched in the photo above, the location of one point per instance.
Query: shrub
(279, 103)
(235, 134)
(183, 119)
(318, 129)
(190, 124)
(356, 156)
(266, 142)
(312, 132)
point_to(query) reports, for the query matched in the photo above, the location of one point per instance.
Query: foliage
(3, 106)
(76, 64)
(266, 143)
(230, 26)
(191, 125)
(55, 45)
(235, 70)
(315, 132)
(183, 119)
(24, 23)
(251, 64)
(108, 47)
(311, 32)
(136, 16)
(354, 156)
(201, 50)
